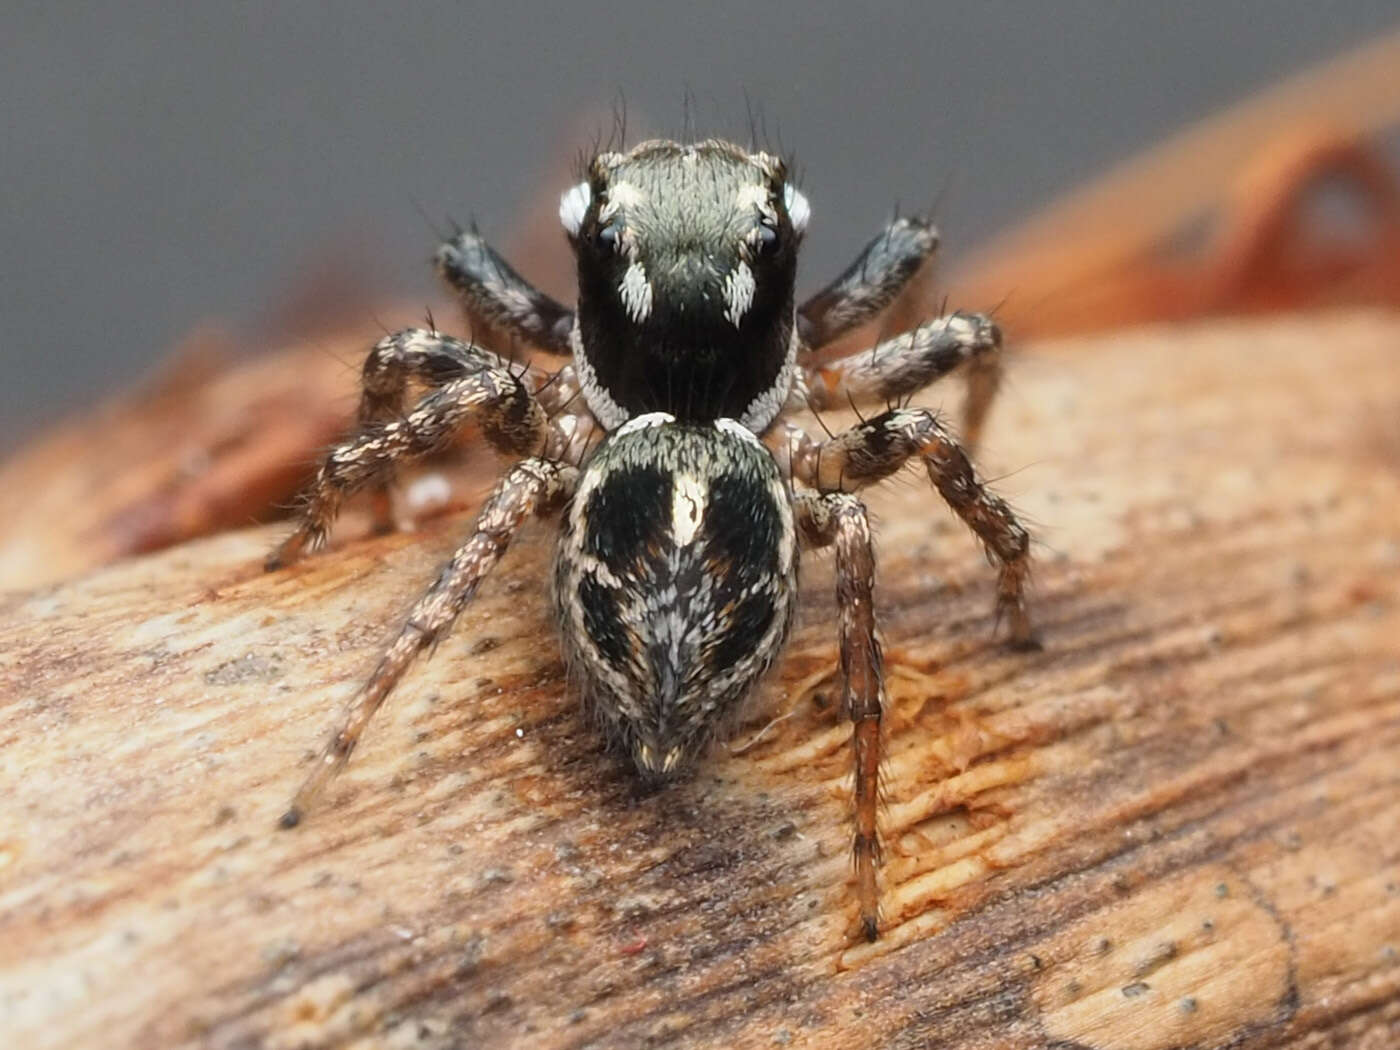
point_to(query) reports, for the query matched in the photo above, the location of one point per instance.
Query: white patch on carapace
(799, 211)
(635, 290)
(645, 422)
(764, 408)
(605, 410)
(688, 498)
(738, 293)
(573, 206)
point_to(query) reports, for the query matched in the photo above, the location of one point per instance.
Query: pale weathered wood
(1177, 826)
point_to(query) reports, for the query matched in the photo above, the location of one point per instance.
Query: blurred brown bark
(1221, 218)
(1179, 825)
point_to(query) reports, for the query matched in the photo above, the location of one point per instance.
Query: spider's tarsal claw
(289, 819)
(1031, 643)
(870, 928)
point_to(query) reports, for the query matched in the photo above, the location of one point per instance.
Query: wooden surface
(1179, 825)
(215, 439)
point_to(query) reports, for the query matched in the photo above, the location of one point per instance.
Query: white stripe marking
(688, 495)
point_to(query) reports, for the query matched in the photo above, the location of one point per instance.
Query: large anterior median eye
(799, 211)
(573, 206)
(607, 237)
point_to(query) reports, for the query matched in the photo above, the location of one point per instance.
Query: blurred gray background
(165, 164)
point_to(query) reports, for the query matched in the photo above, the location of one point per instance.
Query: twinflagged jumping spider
(685, 495)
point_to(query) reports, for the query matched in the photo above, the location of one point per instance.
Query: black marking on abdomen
(626, 515)
(668, 620)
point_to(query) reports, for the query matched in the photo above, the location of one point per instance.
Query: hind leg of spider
(876, 448)
(491, 289)
(898, 367)
(840, 519)
(490, 395)
(533, 488)
(880, 272)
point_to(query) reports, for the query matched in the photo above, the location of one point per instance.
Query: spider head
(687, 259)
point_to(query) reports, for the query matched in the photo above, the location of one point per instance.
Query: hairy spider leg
(876, 448)
(491, 289)
(413, 355)
(880, 272)
(840, 518)
(533, 488)
(895, 368)
(490, 395)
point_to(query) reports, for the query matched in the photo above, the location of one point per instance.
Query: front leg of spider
(472, 387)
(840, 518)
(880, 272)
(534, 487)
(876, 448)
(896, 368)
(490, 287)
(905, 364)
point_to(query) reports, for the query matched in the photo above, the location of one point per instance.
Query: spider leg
(840, 518)
(869, 284)
(418, 355)
(431, 359)
(556, 392)
(498, 399)
(533, 487)
(876, 448)
(570, 436)
(897, 367)
(491, 288)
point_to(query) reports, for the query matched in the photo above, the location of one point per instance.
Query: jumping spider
(685, 494)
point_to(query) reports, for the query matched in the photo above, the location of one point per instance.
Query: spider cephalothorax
(686, 496)
(687, 259)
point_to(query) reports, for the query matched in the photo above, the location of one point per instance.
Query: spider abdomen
(675, 582)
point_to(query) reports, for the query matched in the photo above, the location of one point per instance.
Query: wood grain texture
(1179, 825)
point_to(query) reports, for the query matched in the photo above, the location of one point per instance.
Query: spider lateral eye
(573, 206)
